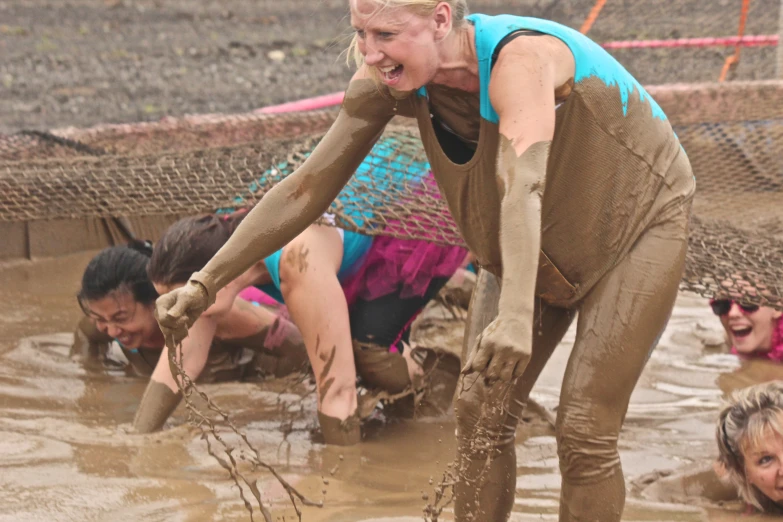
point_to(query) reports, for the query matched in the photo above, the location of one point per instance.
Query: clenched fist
(177, 310)
(503, 349)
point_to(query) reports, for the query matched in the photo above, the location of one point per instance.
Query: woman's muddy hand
(177, 310)
(503, 350)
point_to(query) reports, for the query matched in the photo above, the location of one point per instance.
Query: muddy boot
(340, 432)
(385, 371)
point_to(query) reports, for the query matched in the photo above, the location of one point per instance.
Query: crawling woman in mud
(569, 187)
(380, 283)
(353, 298)
(246, 341)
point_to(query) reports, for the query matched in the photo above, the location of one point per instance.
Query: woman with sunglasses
(752, 331)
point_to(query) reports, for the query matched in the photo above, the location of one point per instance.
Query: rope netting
(733, 136)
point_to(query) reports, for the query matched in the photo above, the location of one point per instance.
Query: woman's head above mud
(187, 246)
(750, 440)
(402, 41)
(751, 330)
(118, 295)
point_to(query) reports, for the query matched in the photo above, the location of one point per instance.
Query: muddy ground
(66, 452)
(84, 62)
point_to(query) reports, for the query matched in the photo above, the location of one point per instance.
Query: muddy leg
(487, 416)
(619, 323)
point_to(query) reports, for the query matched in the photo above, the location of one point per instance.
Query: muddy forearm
(287, 209)
(157, 404)
(162, 395)
(523, 178)
(192, 355)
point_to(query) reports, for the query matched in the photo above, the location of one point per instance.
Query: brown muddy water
(66, 453)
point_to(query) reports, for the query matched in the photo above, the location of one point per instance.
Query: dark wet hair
(188, 245)
(121, 268)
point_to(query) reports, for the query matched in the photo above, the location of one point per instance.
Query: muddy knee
(380, 369)
(587, 448)
(487, 415)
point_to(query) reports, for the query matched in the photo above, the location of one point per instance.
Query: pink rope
(725, 41)
(309, 104)
(336, 98)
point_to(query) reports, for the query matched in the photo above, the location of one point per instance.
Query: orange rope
(590, 20)
(733, 60)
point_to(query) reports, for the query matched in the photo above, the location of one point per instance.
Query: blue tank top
(591, 60)
(355, 247)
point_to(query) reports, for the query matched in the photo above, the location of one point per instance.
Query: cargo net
(187, 166)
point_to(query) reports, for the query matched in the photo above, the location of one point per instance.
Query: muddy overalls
(614, 223)
(614, 232)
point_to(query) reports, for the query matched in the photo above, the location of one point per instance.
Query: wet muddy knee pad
(587, 453)
(381, 369)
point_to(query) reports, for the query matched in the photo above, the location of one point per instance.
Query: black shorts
(386, 321)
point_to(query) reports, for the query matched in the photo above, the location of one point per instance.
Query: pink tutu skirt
(404, 266)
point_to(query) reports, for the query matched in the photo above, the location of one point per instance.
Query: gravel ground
(84, 62)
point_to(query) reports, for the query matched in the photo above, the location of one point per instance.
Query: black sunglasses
(722, 306)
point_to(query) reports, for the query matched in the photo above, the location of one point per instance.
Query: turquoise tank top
(591, 60)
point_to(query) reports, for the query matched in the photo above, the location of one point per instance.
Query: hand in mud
(503, 349)
(177, 310)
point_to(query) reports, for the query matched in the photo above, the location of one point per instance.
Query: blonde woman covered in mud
(118, 296)
(568, 185)
(749, 467)
(750, 442)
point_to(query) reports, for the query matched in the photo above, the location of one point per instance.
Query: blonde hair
(752, 415)
(459, 10)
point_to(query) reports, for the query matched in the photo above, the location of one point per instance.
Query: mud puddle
(65, 453)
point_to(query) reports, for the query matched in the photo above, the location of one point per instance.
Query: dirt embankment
(83, 62)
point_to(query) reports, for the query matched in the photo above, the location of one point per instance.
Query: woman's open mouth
(391, 74)
(740, 333)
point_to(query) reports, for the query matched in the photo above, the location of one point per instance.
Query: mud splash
(66, 454)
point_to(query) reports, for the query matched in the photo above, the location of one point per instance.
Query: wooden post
(780, 43)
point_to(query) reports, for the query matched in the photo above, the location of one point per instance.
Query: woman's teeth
(741, 332)
(390, 72)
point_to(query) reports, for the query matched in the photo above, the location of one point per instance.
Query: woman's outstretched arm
(287, 209)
